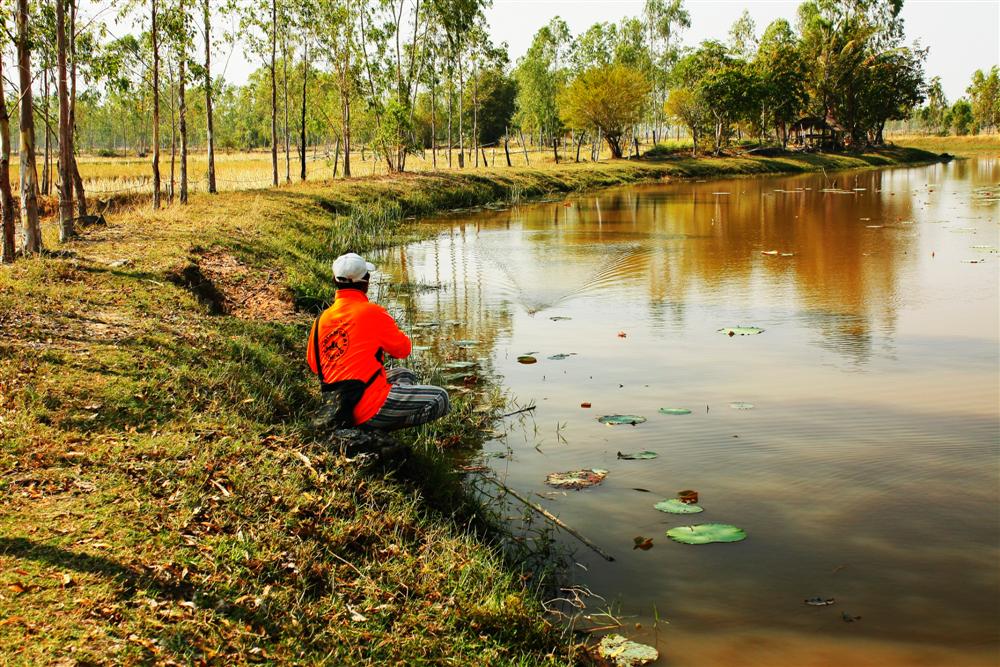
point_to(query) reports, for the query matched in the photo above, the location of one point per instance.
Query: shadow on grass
(133, 580)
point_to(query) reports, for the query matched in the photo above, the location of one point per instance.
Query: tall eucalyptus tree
(8, 216)
(66, 230)
(31, 232)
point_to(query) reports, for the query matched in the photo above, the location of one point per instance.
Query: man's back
(354, 334)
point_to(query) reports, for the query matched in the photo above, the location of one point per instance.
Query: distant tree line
(975, 114)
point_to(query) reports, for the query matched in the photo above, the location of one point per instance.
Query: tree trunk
(302, 131)
(284, 87)
(182, 108)
(555, 149)
(66, 230)
(475, 115)
(524, 147)
(615, 145)
(336, 157)
(434, 155)
(31, 233)
(172, 183)
(346, 113)
(451, 96)
(461, 116)
(7, 215)
(578, 144)
(81, 194)
(274, 93)
(506, 147)
(156, 107)
(47, 152)
(209, 120)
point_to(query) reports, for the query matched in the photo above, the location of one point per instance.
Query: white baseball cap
(351, 268)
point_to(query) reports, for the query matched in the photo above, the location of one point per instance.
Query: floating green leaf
(705, 533)
(576, 479)
(622, 652)
(741, 331)
(674, 411)
(741, 405)
(421, 348)
(638, 456)
(618, 420)
(675, 506)
(466, 343)
(526, 359)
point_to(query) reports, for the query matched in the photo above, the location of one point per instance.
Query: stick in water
(517, 412)
(553, 518)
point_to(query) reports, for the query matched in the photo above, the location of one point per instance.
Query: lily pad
(741, 331)
(674, 411)
(638, 456)
(466, 343)
(421, 348)
(676, 506)
(562, 355)
(706, 533)
(576, 479)
(819, 601)
(560, 318)
(618, 420)
(622, 652)
(741, 405)
(526, 359)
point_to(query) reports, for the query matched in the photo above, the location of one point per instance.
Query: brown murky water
(868, 469)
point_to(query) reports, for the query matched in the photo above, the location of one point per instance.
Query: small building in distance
(815, 133)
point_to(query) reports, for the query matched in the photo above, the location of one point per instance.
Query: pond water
(868, 468)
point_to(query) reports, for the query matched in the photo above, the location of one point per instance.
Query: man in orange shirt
(347, 348)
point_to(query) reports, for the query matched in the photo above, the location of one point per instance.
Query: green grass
(163, 496)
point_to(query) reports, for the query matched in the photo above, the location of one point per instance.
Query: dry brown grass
(977, 145)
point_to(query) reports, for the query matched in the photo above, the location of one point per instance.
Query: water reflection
(867, 470)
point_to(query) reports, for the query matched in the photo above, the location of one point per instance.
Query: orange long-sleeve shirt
(353, 334)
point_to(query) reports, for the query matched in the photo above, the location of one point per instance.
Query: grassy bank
(985, 145)
(163, 496)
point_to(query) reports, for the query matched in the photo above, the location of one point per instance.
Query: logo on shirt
(336, 343)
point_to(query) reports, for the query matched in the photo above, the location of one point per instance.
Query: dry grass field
(106, 177)
(981, 145)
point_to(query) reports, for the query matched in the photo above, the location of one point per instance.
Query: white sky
(963, 35)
